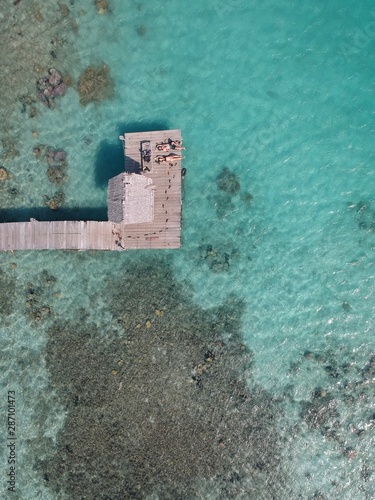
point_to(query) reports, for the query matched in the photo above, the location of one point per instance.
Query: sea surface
(243, 364)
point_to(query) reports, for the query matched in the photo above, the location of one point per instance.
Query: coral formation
(64, 10)
(56, 175)
(51, 86)
(3, 174)
(247, 198)
(9, 191)
(13, 191)
(224, 204)
(218, 260)
(320, 411)
(141, 30)
(364, 214)
(7, 293)
(56, 201)
(35, 297)
(95, 84)
(102, 6)
(28, 104)
(351, 388)
(57, 161)
(10, 148)
(229, 186)
(161, 408)
(228, 182)
(28, 34)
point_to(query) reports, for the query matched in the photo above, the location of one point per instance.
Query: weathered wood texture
(163, 232)
(115, 198)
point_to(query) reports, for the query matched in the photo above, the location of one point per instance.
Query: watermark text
(11, 441)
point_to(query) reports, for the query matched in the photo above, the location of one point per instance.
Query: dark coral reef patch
(348, 388)
(364, 214)
(102, 6)
(157, 403)
(95, 84)
(229, 186)
(51, 86)
(7, 293)
(56, 160)
(56, 201)
(36, 297)
(228, 181)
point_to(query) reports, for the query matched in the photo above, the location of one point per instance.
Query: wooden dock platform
(164, 231)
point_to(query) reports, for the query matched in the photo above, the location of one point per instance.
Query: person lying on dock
(167, 146)
(161, 159)
(170, 157)
(163, 146)
(173, 156)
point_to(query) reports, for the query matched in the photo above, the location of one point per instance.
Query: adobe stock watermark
(265, 136)
(361, 38)
(223, 7)
(11, 441)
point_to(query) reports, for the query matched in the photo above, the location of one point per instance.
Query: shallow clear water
(282, 95)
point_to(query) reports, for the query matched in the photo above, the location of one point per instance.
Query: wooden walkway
(163, 232)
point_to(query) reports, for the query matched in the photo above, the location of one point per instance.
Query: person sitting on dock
(175, 145)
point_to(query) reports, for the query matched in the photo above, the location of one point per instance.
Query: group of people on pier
(170, 145)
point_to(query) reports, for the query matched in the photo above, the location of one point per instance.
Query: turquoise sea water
(282, 94)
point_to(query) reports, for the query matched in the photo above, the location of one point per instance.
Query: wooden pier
(163, 226)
